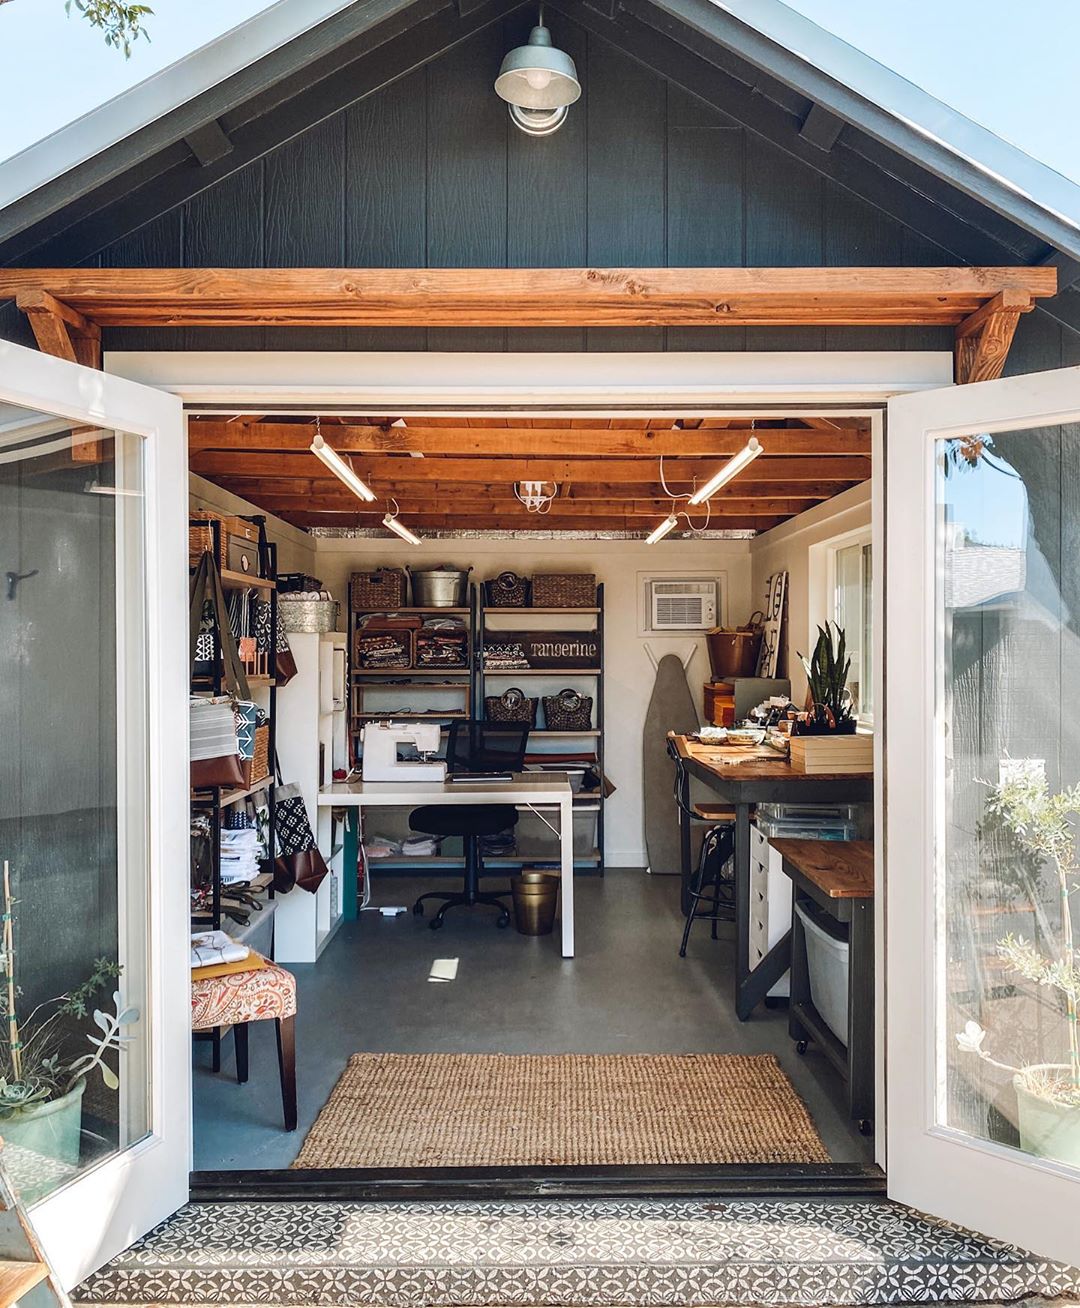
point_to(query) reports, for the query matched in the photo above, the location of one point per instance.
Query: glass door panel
(1008, 768)
(73, 785)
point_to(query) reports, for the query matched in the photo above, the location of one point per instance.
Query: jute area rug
(560, 1110)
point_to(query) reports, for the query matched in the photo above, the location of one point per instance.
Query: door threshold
(430, 1184)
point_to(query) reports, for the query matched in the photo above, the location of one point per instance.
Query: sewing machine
(382, 741)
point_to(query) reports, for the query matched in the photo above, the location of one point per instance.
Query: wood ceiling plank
(517, 441)
(569, 297)
(679, 472)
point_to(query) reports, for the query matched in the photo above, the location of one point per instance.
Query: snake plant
(827, 674)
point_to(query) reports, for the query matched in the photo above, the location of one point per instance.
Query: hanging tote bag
(299, 861)
(213, 731)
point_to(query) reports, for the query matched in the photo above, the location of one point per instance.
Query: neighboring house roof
(977, 198)
(975, 575)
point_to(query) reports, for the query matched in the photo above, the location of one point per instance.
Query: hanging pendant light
(539, 83)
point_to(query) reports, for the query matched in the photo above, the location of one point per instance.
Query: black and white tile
(624, 1252)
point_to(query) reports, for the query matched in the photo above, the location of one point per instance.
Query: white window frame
(822, 583)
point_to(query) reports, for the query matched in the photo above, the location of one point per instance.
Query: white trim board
(620, 381)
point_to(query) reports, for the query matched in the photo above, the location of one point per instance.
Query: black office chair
(473, 747)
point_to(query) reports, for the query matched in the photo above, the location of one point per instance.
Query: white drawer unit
(770, 903)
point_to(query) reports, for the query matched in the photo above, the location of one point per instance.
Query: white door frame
(103, 1210)
(935, 1167)
(731, 384)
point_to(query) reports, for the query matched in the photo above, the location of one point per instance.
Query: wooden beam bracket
(59, 329)
(984, 338)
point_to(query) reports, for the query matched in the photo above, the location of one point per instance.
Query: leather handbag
(214, 747)
(299, 861)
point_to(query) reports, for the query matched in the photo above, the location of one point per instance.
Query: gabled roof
(979, 199)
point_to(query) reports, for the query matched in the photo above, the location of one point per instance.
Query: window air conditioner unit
(682, 605)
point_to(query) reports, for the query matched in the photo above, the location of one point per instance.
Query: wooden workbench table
(743, 778)
(838, 876)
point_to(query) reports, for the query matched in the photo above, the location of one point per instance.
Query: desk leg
(566, 854)
(743, 1006)
(800, 978)
(685, 846)
(861, 1011)
(350, 857)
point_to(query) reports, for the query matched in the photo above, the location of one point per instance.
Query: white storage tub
(827, 962)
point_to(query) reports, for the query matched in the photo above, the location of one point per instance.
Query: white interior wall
(789, 547)
(296, 549)
(628, 670)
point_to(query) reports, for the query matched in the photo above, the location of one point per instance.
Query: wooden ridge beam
(984, 338)
(602, 472)
(213, 434)
(507, 297)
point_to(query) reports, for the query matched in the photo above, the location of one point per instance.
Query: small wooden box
(836, 753)
(720, 703)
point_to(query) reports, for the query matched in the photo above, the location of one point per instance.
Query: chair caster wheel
(418, 910)
(801, 1046)
(866, 1127)
(436, 924)
(503, 921)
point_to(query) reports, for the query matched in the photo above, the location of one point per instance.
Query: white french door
(93, 795)
(982, 750)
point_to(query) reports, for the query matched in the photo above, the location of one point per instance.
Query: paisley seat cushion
(269, 992)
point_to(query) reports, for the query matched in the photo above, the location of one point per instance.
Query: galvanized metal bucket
(439, 587)
(307, 615)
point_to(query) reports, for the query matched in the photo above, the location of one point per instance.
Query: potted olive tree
(1048, 1094)
(45, 1062)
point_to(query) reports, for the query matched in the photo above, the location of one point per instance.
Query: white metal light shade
(538, 76)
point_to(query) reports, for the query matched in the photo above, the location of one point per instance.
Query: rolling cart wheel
(801, 1046)
(503, 921)
(866, 1127)
(418, 910)
(436, 924)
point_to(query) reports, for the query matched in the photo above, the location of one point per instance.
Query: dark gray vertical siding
(429, 172)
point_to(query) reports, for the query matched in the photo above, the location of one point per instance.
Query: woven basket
(507, 591)
(564, 590)
(201, 537)
(378, 591)
(512, 705)
(568, 711)
(306, 614)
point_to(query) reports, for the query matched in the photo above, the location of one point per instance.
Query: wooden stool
(258, 996)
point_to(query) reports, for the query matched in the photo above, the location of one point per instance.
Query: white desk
(528, 789)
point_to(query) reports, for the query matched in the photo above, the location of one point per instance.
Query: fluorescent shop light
(731, 469)
(399, 528)
(341, 469)
(669, 524)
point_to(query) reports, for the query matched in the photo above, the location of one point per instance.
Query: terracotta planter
(1047, 1130)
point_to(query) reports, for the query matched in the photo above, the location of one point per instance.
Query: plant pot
(1047, 1130)
(51, 1129)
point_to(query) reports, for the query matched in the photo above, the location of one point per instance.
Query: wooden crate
(833, 753)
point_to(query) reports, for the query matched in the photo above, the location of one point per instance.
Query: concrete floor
(626, 991)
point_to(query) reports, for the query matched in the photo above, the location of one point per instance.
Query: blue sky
(965, 52)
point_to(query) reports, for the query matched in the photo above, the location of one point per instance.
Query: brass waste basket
(536, 895)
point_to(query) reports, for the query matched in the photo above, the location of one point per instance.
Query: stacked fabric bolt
(239, 855)
(420, 846)
(442, 643)
(382, 650)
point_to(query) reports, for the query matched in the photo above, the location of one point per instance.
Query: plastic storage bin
(808, 821)
(827, 963)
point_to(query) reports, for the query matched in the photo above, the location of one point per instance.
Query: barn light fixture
(339, 467)
(539, 83)
(535, 495)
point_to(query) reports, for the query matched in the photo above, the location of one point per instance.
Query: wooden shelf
(542, 672)
(405, 608)
(524, 613)
(18, 1279)
(433, 716)
(242, 581)
(202, 797)
(405, 674)
(547, 731)
(428, 685)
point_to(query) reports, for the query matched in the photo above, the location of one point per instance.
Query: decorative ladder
(26, 1276)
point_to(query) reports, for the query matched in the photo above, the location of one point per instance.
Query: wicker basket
(568, 711)
(401, 655)
(512, 705)
(507, 591)
(378, 591)
(306, 614)
(564, 590)
(201, 536)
